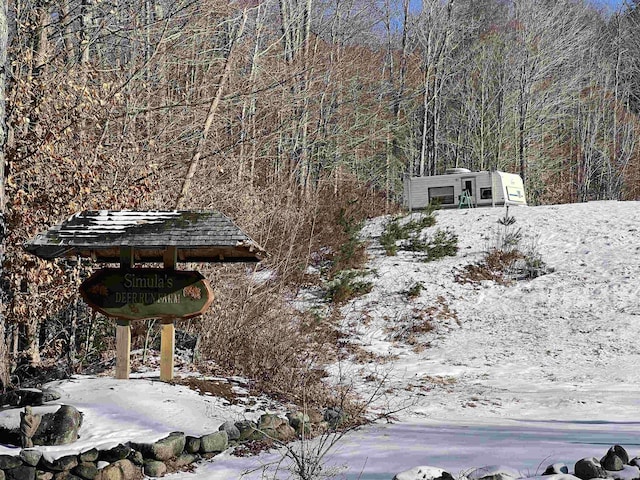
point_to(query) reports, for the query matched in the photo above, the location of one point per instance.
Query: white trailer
(478, 188)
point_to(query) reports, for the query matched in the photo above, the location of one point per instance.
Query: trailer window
(444, 195)
(485, 193)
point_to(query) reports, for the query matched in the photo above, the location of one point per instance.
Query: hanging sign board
(143, 293)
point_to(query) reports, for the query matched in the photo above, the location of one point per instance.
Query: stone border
(172, 453)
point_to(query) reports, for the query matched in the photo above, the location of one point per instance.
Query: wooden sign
(142, 293)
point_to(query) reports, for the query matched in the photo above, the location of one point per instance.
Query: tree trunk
(4, 33)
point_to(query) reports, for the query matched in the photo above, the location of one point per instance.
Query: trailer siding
(487, 188)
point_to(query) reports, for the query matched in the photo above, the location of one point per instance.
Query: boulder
(185, 459)
(192, 444)
(556, 468)
(136, 457)
(89, 455)
(423, 473)
(494, 472)
(276, 428)
(22, 397)
(232, 431)
(248, 431)
(86, 470)
(300, 422)
(214, 442)
(588, 468)
(612, 462)
(154, 468)
(615, 459)
(66, 476)
(334, 416)
(60, 464)
(42, 475)
(9, 461)
(50, 395)
(119, 452)
(59, 428)
(120, 470)
(24, 472)
(164, 449)
(30, 457)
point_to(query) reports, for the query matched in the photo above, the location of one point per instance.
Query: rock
(127, 468)
(185, 459)
(494, 472)
(556, 468)
(30, 457)
(164, 449)
(119, 452)
(333, 416)
(423, 473)
(589, 468)
(232, 431)
(136, 458)
(192, 444)
(90, 455)
(2, 476)
(60, 464)
(24, 472)
(9, 461)
(59, 428)
(214, 442)
(120, 470)
(50, 395)
(86, 470)
(154, 468)
(66, 476)
(609, 460)
(42, 475)
(22, 397)
(276, 428)
(248, 431)
(300, 422)
(612, 462)
(285, 433)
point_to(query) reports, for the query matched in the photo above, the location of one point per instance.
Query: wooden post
(123, 349)
(167, 348)
(123, 327)
(168, 330)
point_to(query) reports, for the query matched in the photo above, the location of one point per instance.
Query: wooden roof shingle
(198, 236)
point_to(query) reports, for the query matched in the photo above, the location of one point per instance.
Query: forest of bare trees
(294, 117)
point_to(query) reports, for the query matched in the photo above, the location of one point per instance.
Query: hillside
(549, 363)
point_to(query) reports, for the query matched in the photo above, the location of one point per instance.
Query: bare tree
(4, 37)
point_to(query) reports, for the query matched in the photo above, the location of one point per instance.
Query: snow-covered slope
(538, 371)
(561, 346)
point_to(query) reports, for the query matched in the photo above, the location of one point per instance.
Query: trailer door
(469, 185)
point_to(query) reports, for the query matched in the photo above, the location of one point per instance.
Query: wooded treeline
(295, 117)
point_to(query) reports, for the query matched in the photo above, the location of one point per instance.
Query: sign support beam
(123, 327)
(168, 329)
(123, 349)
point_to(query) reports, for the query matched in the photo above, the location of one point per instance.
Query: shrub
(345, 286)
(443, 244)
(394, 232)
(415, 290)
(506, 259)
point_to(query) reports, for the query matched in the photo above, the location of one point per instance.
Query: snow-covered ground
(525, 375)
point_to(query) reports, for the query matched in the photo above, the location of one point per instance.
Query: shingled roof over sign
(101, 234)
